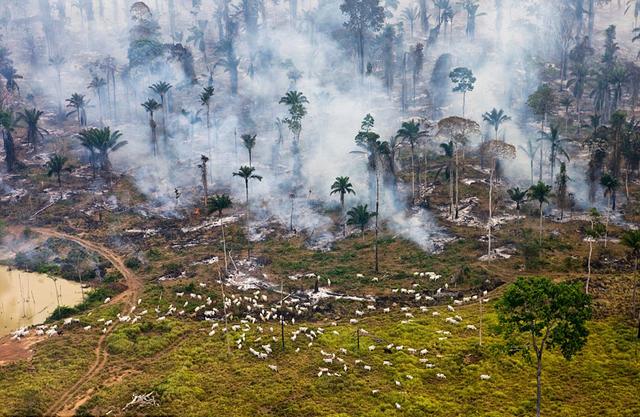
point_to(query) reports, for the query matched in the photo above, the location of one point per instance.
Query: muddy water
(29, 298)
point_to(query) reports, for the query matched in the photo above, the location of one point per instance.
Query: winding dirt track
(66, 400)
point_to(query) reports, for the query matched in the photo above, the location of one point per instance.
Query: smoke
(502, 57)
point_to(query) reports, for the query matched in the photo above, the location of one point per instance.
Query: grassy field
(193, 374)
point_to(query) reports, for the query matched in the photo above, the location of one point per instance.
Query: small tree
(360, 216)
(55, 165)
(463, 81)
(537, 314)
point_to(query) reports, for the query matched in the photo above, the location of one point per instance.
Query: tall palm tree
(31, 118)
(495, 118)
(97, 84)
(79, 105)
(360, 216)
(8, 124)
(151, 106)
(610, 185)
(411, 14)
(342, 186)
(296, 101)
(205, 100)
(249, 142)
(162, 89)
(376, 150)
(557, 146)
(530, 150)
(55, 165)
(247, 174)
(219, 203)
(411, 133)
(540, 193)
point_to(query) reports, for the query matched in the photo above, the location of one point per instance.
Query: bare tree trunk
(377, 215)
(589, 267)
(539, 384)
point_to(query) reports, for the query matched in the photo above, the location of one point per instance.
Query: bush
(62, 312)
(132, 262)
(113, 276)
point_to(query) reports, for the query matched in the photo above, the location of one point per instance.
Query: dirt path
(134, 286)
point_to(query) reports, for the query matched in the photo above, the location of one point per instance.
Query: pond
(29, 298)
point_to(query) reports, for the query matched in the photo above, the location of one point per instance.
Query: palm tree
(518, 196)
(360, 216)
(342, 186)
(495, 118)
(55, 165)
(100, 143)
(79, 105)
(219, 203)
(375, 149)
(162, 89)
(31, 118)
(247, 173)
(10, 74)
(530, 150)
(610, 185)
(249, 141)
(296, 101)
(553, 137)
(205, 100)
(540, 192)
(411, 133)
(8, 124)
(411, 14)
(152, 106)
(97, 85)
